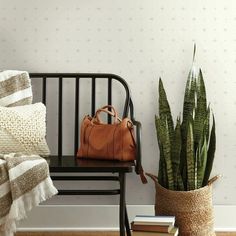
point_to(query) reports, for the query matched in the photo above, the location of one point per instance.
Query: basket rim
(183, 191)
(208, 186)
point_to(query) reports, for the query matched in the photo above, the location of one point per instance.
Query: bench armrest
(138, 129)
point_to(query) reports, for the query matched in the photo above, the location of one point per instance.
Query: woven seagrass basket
(193, 210)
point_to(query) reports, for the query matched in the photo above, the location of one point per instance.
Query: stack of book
(144, 225)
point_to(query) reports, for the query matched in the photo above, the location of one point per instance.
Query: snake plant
(187, 148)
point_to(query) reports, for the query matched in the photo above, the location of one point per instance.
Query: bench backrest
(109, 84)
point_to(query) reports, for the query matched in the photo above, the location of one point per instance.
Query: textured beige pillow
(23, 130)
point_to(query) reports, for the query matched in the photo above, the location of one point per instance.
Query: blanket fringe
(26, 202)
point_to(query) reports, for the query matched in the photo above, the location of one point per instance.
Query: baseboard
(104, 217)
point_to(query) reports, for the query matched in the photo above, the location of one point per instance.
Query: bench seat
(72, 164)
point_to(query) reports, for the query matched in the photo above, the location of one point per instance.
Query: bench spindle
(109, 98)
(93, 97)
(76, 138)
(44, 90)
(60, 96)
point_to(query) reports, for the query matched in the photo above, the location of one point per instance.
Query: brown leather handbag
(107, 141)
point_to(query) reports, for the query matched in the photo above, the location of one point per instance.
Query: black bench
(60, 163)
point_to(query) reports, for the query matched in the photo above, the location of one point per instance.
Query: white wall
(139, 40)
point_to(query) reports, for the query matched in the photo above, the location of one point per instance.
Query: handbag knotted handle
(113, 113)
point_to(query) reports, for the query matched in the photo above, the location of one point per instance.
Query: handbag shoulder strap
(142, 175)
(140, 171)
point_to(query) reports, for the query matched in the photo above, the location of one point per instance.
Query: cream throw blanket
(24, 183)
(15, 88)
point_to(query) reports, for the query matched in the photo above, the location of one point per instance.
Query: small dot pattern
(140, 41)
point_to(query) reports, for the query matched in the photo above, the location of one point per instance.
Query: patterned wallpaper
(139, 40)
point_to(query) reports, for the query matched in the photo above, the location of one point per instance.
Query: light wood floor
(89, 234)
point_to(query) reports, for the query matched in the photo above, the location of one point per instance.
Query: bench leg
(124, 222)
(127, 223)
(122, 203)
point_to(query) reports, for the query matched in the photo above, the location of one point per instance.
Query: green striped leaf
(201, 111)
(176, 151)
(188, 110)
(207, 123)
(189, 97)
(210, 153)
(165, 141)
(161, 159)
(201, 164)
(162, 175)
(190, 158)
(164, 109)
(180, 184)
